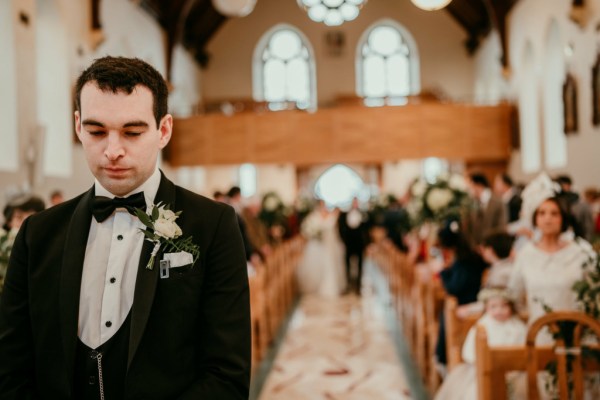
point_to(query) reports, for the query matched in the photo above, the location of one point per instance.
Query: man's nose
(114, 147)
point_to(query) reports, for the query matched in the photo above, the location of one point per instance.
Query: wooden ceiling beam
(498, 11)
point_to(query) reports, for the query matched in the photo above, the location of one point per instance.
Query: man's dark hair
(500, 242)
(234, 191)
(121, 74)
(506, 179)
(564, 180)
(480, 179)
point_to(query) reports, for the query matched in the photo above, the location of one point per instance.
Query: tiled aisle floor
(337, 349)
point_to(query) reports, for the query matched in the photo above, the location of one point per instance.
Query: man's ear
(166, 129)
(78, 125)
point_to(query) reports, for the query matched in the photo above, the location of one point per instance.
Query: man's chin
(118, 187)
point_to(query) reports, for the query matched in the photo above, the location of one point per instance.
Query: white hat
(534, 194)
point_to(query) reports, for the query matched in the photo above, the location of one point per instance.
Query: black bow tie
(103, 207)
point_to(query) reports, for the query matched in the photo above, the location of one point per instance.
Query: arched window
(339, 185)
(9, 154)
(387, 62)
(284, 69)
(433, 167)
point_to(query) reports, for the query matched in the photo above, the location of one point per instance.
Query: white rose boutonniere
(163, 231)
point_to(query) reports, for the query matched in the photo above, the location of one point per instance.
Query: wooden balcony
(350, 133)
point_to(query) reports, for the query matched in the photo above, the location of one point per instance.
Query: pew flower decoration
(163, 231)
(6, 242)
(272, 210)
(438, 201)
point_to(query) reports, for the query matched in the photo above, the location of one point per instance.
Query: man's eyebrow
(130, 124)
(92, 122)
(140, 123)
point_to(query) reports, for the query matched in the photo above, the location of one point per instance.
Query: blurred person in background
(19, 208)
(56, 197)
(487, 214)
(578, 210)
(506, 190)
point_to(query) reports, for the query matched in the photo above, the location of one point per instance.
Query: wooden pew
(493, 363)
(259, 321)
(456, 331)
(272, 292)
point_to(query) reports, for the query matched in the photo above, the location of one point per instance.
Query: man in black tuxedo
(353, 232)
(84, 314)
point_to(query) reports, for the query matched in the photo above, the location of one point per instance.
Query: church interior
(292, 111)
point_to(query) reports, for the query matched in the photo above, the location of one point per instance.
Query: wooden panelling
(345, 134)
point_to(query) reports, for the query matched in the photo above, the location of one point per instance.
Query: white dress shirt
(110, 268)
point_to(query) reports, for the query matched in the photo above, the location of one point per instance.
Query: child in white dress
(503, 328)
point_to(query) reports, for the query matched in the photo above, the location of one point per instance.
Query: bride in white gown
(321, 270)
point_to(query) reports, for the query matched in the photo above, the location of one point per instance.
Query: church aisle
(337, 349)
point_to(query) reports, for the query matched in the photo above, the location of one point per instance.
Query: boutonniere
(163, 231)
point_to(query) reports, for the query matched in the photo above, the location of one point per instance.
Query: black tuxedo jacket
(355, 239)
(190, 333)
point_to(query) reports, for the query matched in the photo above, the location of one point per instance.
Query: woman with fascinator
(546, 268)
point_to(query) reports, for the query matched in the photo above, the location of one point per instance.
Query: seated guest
(461, 277)
(496, 251)
(503, 328)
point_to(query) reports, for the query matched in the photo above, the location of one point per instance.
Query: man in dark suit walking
(353, 232)
(90, 309)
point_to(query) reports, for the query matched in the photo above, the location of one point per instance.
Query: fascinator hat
(534, 194)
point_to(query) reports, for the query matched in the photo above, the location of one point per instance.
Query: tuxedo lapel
(145, 285)
(70, 278)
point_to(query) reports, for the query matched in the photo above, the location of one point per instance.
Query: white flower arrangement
(273, 210)
(163, 231)
(438, 201)
(271, 203)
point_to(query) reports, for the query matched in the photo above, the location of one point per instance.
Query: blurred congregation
(435, 161)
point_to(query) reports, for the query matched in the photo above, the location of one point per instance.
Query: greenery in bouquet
(273, 211)
(442, 200)
(588, 288)
(6, 242)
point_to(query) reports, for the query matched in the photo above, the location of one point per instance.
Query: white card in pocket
(178, 259)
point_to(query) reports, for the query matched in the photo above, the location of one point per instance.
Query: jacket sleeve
(224, 362)
(16, 339)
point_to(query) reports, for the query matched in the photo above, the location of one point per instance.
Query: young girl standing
(504, 328)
